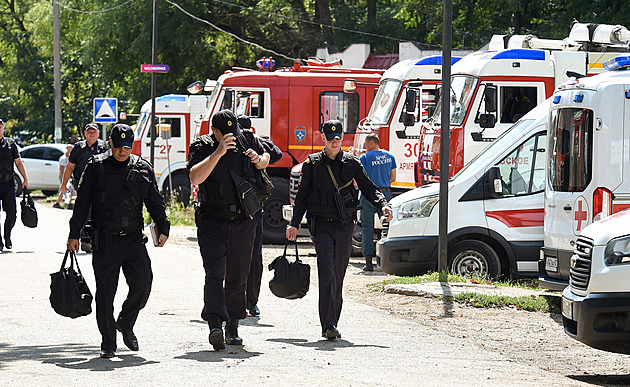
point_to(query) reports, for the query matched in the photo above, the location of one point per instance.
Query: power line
(98, 11)
(229, 33)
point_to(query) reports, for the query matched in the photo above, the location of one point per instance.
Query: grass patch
(177, 214)
(531, 303)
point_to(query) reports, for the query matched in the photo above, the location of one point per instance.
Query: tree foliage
(102, 51)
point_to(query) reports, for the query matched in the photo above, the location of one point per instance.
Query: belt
(322, 219)
(384, 188)
(124, 233)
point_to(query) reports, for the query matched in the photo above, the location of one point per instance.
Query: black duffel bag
(69, 293)
(29, 213)
(291, 280)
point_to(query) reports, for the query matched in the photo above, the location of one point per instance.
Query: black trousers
(7, 200)
(113, 253)
(333, 245)
(256, 268)
(226, 249)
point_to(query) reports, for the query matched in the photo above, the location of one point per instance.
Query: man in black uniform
(328, 197)
(77, 160)
(9, 155)
(115, 187)
(224, 229)
(256, 268)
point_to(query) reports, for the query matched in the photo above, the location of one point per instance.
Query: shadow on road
(603, 380)
(73, 356)
(447, 299)
(231, 352)
(324, 345)
(249, 321)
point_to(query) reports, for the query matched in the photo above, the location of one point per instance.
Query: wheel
(274, 226)
(473, 258)
(181, 188)
(357, 237)
(17, 184)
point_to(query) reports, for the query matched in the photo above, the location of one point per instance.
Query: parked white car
(42, 166)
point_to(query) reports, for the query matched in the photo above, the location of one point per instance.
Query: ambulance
(288, 106)
(178, 112)
(588, 174)
(495, 220)
(520, 74)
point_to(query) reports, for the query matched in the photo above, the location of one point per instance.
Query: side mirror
(411, 101)
(349, 85)
(487, 120)
(494, 185)
(490, 97)
(227, 99)
(195, 87)
(408, 119)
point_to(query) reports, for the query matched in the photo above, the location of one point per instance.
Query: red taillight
(602, 204)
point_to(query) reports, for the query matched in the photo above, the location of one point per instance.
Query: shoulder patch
(308, 160)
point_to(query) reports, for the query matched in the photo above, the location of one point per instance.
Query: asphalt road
(282, 347)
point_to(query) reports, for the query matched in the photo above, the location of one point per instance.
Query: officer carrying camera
(115, 187)
(328, 197)
(222, 164)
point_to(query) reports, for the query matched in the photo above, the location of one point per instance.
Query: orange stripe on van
(519, 218)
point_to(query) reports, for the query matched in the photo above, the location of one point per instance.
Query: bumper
(407, 256)
(599, 320)
(557, 279)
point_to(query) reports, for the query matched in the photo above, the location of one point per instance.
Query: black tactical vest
(321, 201)
(85, 152)
(6, 160)
(119, 193)
(218, 196)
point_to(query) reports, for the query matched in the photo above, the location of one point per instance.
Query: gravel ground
(531, 338)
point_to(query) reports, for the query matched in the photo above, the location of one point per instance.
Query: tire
(181, 189)
(274, 226)
(473, 258)
(17, 184)
(357, 237)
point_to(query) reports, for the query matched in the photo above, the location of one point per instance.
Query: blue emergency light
(265, 64)
(578, 98)
(520, 53)
(556, 99)
(617, 63)
(436, 60)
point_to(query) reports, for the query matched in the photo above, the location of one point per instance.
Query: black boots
(216, 333)
(231, 333)
(368, 263)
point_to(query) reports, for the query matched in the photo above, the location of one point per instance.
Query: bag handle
(73, 261)
(286, 244)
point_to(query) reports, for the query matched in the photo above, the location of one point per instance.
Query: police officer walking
(115, 187)
(77, 161)
(9, 155)
(225, 226)
(254, 278)
(330, 201)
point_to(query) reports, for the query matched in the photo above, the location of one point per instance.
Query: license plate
(551, 264)
(567, 308)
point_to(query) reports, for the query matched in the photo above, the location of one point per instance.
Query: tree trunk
(323, 8)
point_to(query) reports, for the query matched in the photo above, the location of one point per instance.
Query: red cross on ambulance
(580, 215)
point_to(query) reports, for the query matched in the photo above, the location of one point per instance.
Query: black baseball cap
(225, 121)
(122, 136)
(332, 129)
(89, 126)
(244, 122)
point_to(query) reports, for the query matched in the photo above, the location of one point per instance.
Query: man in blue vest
(380, 166)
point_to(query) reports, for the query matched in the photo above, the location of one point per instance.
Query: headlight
(618, 251)
(419, 208)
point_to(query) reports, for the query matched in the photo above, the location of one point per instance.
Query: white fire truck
(523, 72)
(588, 174)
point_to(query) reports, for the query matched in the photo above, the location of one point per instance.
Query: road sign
(105, 110)
(158, 68)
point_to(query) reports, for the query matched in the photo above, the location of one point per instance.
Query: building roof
(380, 61)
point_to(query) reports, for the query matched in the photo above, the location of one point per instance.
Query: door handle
(181, 151)
(49, 164)
(567, 208)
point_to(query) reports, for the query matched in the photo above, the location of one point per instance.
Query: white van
(588, 173)
(495, 211)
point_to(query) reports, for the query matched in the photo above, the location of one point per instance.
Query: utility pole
(57, 72)
(154, 78)
(447, 43)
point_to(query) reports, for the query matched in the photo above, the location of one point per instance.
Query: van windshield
(384, 102)
(462, 90)
(571, 149)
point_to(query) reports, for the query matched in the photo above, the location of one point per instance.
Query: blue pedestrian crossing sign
(105, 110)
